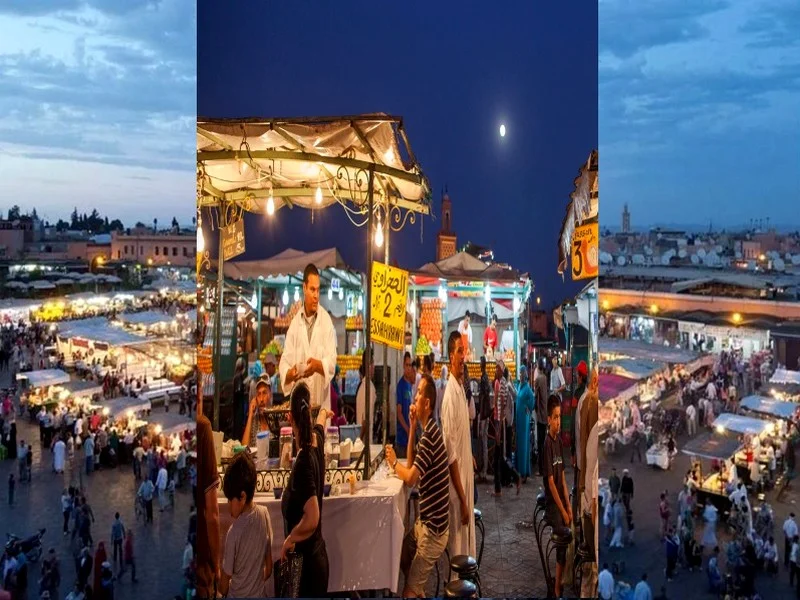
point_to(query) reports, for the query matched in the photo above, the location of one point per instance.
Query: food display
(430, 321)
(274, 348)
(354, 323)
(423, 346)
(284, 321)
(348, 362)
(474, 370)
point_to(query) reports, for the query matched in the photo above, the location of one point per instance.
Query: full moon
(502, 131)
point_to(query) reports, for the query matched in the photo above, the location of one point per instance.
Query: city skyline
(75, 120)
(698, 114)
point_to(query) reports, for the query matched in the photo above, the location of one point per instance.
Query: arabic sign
(233, 240)
(585, 252)
(388, 310)
(336, 284)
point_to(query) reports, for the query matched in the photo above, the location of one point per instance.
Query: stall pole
(368, 321)
(258, 331)
(516, 337)
(414, 321)
(218, 322)
(386, 417)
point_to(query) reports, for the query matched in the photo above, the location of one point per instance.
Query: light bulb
(296, 295)
(201, 242)
(241, 309)
(318, 195)
(379, 235)
(270, 204)
(361, 302)
(487, 294)
(341, 294)
(330, 294)
(254, 300)
(442, 294)
(516, 304)
(243, 166)
(285, 297)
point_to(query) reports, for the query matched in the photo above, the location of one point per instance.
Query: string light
(296, 294)
(270, 204)
(285, 297)
(330, 293)
(318, 195)
(379, 234)
(341, 294)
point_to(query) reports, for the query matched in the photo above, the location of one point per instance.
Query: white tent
(97, 329)
(44, 378)
(172, 422)
(740, 424)
(121, 406)
(465, 267)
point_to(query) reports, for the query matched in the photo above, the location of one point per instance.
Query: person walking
(522, 415)
(130, 560)
(789, 532)
(146, 491)
(161, 485)
(66, 509)
(664, 512)
(485, 413)
(614, 483)
(626, 488)
(642, 590)
(672, 545)
(88, 449)
(117, 537)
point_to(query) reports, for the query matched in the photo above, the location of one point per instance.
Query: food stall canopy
(280, 269)
(784, 376)
(634, 349)
(148, 317)
(634, 368)
(97, 329)
(741, 424)
(44, 378)
(458, 307)
(119, 406)
(714, 447)
(244, 160)
(613, 386)
(464, 267)
(770, 406)
(79, 387)
(172, 422)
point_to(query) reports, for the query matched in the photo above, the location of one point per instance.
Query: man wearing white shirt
(789, 531)
(738, 494)
(711, 391)
(465, 329)
(310, 351)
(361, 398)
(161, 484)
(605, 583)
(557, 382)
(691, 420)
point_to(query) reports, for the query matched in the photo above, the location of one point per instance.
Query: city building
(626, 219)
(446, 240)
(144, 246)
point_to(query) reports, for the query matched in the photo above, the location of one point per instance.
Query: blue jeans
(89, 464)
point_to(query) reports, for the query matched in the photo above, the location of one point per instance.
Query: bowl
(326, 490)
(278, 491)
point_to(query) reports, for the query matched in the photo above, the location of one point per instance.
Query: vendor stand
(718, 449)
(35, 387)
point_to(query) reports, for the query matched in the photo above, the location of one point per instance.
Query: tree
(139, 224)
(13, 213)
(155, 225)
(34, 215)
(175, 223)
(62, 225)
(74, 218)
(116, 225)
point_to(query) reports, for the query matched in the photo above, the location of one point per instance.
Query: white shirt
(298, 350)
(642, 591)
(711, 391)
(188, 556)
(691, 412)
(361, 406)
(161, 480)
(789, 528)
(465, 328)
(605, 584)
(793, 555)
(556, 379)
(737, 495)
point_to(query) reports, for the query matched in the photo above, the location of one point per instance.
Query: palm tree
(155, 225)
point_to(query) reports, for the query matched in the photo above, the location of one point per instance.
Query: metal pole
(218, 322)
(367, 319)
(386, 416)
(259, 306)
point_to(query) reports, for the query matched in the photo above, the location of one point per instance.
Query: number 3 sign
(585, 252)
(388, 309)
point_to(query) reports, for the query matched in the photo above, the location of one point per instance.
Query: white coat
(298, 350)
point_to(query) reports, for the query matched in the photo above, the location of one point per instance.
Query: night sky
(454, 75)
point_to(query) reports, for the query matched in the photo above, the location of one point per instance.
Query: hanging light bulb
(285, 297)
(442, 294)
(341, 294)
(361, 302)
(270, 204)
(296, 294)
(516, 304)
(330, 293)
(243, 166)
(379, 234)
(318, 195)
(254, 300)
(201, 242)
(487, 294)
(240, 310)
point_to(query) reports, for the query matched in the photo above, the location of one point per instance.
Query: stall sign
(389, 302)
(585, 252)
(233, 240)
(336, 284)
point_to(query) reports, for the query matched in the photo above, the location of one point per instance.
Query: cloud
(694, 96)
(100, 81)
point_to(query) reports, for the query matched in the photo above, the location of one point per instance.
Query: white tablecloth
(363, 534)
(659, 456)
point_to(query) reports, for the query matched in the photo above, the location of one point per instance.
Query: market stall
(762, 405)
(713, 487)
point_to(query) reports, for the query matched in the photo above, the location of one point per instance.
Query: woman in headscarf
(99, 558)
(525, 405)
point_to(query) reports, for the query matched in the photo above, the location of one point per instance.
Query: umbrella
(113, 279)
(42, 285)
(64, 281)
(16, 284)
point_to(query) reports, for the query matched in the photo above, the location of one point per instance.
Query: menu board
(389, 303)
(228, 346)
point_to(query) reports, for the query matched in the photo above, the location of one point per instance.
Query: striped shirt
(434, 482)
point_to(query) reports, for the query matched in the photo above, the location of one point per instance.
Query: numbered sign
(233, 240)
(585, 253)
(388, 309)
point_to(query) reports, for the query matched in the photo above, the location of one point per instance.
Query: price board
(585, 252)
(233, 240)
(389, 303)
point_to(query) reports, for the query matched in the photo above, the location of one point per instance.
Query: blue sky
(97, 108)
(699, 111)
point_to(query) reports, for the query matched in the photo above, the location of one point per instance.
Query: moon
(502, 131)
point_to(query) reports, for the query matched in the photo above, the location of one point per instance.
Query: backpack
(484, 399)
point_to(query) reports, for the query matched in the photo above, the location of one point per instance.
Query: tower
(446, 240)
(626, 220)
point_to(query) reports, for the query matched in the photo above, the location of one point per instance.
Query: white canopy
(245, 159)
(148, 317)
(44, 378)
(172, 422)
(291, 262)
(741, 424)
(97, 329)
(770, 406)
(785, 376)
(465, 267)
(120, 406)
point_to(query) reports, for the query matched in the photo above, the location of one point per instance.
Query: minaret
(626, 220)
(446, 240)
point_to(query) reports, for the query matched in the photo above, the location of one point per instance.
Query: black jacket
(627, 485)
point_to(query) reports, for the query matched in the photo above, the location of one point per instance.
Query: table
(658, 455)
(363, 534)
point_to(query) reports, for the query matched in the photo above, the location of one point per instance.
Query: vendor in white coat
(457, 442)
(310, 351)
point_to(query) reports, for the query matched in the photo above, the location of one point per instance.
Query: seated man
(425, 544)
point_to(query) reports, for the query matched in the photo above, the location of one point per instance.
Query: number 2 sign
(585, 252)
(388, 309)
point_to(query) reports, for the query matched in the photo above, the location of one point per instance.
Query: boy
(558, 510)
(247, 558)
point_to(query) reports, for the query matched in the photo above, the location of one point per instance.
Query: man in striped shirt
(425, 544)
